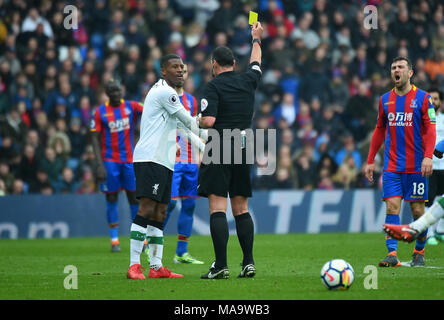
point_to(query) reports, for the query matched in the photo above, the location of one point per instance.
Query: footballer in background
(184, 186)
(112, 129)
(436, 180)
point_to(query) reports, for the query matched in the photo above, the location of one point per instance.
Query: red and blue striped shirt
(186, 154)
(116, 125)
(407, 123)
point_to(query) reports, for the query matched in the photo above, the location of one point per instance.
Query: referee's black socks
(219, 234)
(245, 233)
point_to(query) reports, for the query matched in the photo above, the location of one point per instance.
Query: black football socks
(219, 235)
(245, 234)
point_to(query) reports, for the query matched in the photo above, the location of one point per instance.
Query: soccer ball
(337, 274)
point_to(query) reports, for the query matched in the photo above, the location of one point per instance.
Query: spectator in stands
(349, 149)
(347, 173)
(46, 189)
(18, 187)
(330, 124)
(52, 165)
(7, 149)
(222, 19)
(279, 56)
(67, 183)
(40, 182)
(288, 110)
(287, 138)
(87, 184)
(76, 138)
(60, 141)
(305, 168)
(6, 176)
(14, 127)
(360, 113)
(434, 66)
(29, 163)
(307, 134)
(261, 179)
(325, 180)
(33, 20)
(285, 175)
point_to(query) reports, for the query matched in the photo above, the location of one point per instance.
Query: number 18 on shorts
(410, 186)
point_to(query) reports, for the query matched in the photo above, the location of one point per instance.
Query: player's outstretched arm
(256, 51)
(193, 138)
(191, 123)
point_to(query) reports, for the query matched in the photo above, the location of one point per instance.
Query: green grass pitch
(288, 268)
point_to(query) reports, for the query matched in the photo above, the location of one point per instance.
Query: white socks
(440, 226)
(155, 243)
(138, 235)
(429, 218)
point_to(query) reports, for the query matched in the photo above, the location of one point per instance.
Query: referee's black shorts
(224, 179)
(153, 181)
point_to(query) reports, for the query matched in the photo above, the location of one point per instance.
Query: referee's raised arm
(256, 51)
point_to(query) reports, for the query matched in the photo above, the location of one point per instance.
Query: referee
(227, 103)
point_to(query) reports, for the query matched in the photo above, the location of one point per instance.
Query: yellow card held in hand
(253, 18)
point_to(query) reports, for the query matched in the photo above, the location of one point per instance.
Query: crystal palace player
(406, 121)
(184, 183)
(113, 125)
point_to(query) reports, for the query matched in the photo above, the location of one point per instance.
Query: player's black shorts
(153, 181)
(224, 179)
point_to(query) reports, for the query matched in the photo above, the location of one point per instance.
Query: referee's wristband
(256, 40)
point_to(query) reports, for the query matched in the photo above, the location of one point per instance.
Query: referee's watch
(256, 40)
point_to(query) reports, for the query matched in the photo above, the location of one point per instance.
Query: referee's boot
(216, 273)
(248, 271)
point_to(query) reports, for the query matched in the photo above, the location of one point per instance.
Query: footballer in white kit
(154, 158)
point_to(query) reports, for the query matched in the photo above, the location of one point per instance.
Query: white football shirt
(438, 164)
(157, 142)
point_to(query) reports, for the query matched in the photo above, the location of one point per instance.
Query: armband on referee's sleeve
(256, 66)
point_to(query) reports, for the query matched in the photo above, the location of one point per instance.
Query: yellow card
(253, 18)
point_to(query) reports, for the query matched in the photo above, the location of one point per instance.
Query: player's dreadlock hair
(167, 58)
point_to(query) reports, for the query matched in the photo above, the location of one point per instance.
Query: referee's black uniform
(229, 98)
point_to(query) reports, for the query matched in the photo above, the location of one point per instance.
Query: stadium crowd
(323, 73)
